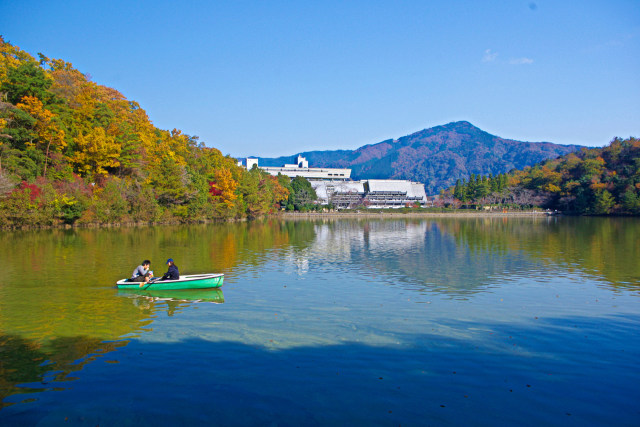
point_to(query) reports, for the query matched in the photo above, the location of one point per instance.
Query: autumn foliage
(592, 181)
(74, 151)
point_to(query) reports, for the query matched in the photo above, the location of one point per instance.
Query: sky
(275, 78)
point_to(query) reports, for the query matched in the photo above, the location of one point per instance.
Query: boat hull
(195, 281)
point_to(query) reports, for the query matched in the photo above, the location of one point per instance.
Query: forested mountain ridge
(74, 151)
(592, 181)
(437, 156)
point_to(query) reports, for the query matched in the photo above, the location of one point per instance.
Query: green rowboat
(195, 281)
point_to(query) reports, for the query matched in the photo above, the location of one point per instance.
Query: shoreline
(361, 214)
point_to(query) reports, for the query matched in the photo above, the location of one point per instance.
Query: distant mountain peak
(463, 125)
(460, 123)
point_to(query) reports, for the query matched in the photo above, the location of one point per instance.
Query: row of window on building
(372, 193)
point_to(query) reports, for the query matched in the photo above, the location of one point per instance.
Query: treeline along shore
(76, 153)
(591, 181)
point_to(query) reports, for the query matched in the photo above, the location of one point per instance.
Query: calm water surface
(484, 321)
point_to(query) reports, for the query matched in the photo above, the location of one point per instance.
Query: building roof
(412, 189)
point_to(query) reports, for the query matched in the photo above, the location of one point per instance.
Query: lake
(423, 321)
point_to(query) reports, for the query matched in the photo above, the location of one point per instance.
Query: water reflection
(28, 366)
(415, 254)
(463, 256)
(44, 361)
(142, 297)
(606, 248)
(59, 310)
(552, 379)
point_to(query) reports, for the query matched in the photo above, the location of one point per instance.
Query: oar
(151, 282)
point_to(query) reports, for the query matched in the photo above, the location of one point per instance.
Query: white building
(393, 193)
(301, 168)
(334, 186)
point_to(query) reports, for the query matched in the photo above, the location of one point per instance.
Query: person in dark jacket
(172, 273)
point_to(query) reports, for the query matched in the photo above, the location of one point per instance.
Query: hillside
(592, 181)
(73, 151)
(438, 156)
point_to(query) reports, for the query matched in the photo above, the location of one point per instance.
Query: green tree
(18, 129)
(48, 133)
(482, 188)
(302, 195)
(27, 79)
(631, 202)
(604, 202)
(459, 191)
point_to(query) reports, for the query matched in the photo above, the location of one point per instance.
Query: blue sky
(272, 78)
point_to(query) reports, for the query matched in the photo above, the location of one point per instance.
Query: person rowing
(142, 273)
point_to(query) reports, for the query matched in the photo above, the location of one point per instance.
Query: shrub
(109, 202)
(142, 204)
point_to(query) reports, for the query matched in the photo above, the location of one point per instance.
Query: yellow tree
(131, 127)
(95, 152)
(280, 192)
(47, 131)
(73, 86)
(11, 57)
(223, 191)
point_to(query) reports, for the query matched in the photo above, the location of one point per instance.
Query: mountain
(436, 157)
